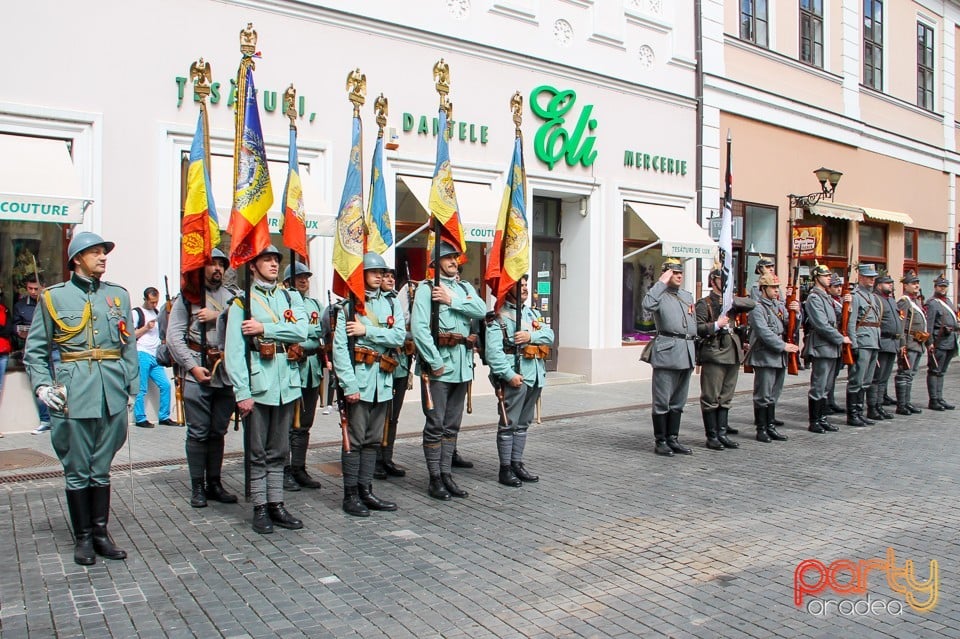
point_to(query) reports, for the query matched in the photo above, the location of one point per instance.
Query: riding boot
(380, 471)
(853, 416)
(303, 478)
(909, 403)
(281, 517)
(873, 412)
(887, 400)
(902, 399)
(196, 464)
(710, 428)
(289, 485)
(350, 465)
(660, 434)
(99, 518)
(391, 468)
(861, 397)
(373, 502)
(943, 404)
(813, 416)
(772, 424)
(760, 421)
(214, 487)
(673, 432)
(352, 504)
(934, 403)
(723, 427)
(823, 421)
(78, 503)
(832, 402)
(436, 489)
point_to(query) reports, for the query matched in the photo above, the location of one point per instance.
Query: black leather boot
(460, 462)
(522, 473)
(813, 416)
(772, 424)
(379, 472)
(508, 478)
(216, 492)
(352, 504)
(437, 490)
(198, 496)
(723, 427)
(289, 485)
(303, 478)
(281, 517)
(760, 420)
(873, 402)
(673, 432)
(823, 421)
(373, 502)
(660, 434)
(887, 400)
(78, 503)
(853, 415)
(261, 520)
(943, 404)
(99, 517)
(710, 429)
(392, 469)
(451, 486)
(901, 391)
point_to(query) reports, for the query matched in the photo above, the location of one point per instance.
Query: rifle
(846, 351)
(793, 359)
(168, 303)
(341, 398)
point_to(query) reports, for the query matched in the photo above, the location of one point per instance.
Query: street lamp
(828, 179)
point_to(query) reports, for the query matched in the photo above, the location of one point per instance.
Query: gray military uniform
(863, 328)
(914, 324)
(720, 354)
(823, 342)
(767, 350)
(891, 333)
(672, 355)
(942, 323)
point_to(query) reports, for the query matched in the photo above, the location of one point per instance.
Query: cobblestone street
(612, 542)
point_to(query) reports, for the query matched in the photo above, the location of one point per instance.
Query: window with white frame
(873, 44)
(924, 66)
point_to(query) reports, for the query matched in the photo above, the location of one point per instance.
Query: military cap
(672, 264)
(910, 277)
(301, 270)
(770, 279)
(941, 281)
(84, 240)
(867, 270)
(836, 280)
(819, 270)
(743, 304)
(762, 262)
(884, 279)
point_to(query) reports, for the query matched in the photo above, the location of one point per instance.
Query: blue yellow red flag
(294, 215)
(349, 242)
(253, 193)
(199, 228)
(509, 257)
(379, 233)
(443, 195)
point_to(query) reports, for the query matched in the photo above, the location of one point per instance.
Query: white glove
(54, 397)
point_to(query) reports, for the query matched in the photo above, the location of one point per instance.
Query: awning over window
(319, 220)
(479, 205)
(838, 211)
(38, 181)
(680, 235)
(888, 216)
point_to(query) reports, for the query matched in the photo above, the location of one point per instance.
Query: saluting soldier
(385, 466)
(823, 344)
(448, 365)
(891, 333)
(363, 348)
(863, 328)
(671, 355)
(517, 328)
(912, 343)
(768, 356)
(208, 401)
(267, 389)
(942, 324)
(89, 321)
(295, 473)
(720, 354)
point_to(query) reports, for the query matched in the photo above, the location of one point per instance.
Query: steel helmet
(301, 270)
(217, 254)
(445, 249)
(374, 261)
(270, 250)
(84, 240)
(763, 261)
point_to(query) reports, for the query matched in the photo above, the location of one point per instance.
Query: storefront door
(545, 288)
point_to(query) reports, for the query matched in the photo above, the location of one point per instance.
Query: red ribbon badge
(390, 321)
(288, 315)
(124, 333)
(314, 317)
(536, 325)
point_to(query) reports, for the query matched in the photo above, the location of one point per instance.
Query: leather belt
(94, 354)
(451, 339)
(364, 355)
(307, 352)
(676, 335)
(868, 324)
(890, 335)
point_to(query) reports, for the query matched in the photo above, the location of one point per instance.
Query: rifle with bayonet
(846, 351)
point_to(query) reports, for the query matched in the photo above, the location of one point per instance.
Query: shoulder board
(114, 285)
(55, 286)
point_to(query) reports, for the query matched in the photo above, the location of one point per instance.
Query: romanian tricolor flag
(379, 234)
(349, 242)
(199, 228)
(294, 224)
(253, 194)
(509, 258)
(443, 195)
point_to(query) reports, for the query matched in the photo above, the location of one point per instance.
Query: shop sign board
(34, 208)
(555, 140)
(808, 242)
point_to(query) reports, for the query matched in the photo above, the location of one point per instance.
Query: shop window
(924, 253)
(811, 32)
(931, 247)
(754, 20)
(546, 217)
(640, 271)
(759, 238)
(873, 44)
(873, 244)
(924, 66)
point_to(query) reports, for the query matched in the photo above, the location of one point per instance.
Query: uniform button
(96, 332)
(94, 317)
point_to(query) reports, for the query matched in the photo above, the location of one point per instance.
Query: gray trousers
(717, 385)
(832, 383)
(670, 388)
(861, 373)
(300, 437)
(906, 375)
(443, 421)
(86, 447)
(269, 449)
(520, 404)
(939, 367)
(207, 410)
(885, 362)
(823, 376)
(767, 384)
(366, 423)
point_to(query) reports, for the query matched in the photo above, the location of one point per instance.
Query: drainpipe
(698, 88)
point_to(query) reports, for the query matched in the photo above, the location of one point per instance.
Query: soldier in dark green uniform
(89, 321)
(823, 343)
(942, 347)
(863, 328)
(768, 356)
(720, 355)
(912, 344)
(295, 473)
(672, 355)
(891, 332)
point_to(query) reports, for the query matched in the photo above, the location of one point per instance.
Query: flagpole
(201, 87)
(290, 97)
(441, 72)
(516, 107)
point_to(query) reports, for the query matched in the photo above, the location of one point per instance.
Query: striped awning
(838, 211)
(888, 216)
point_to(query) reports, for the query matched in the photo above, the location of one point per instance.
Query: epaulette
(106, 283)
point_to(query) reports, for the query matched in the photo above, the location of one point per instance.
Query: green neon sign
(553, 141)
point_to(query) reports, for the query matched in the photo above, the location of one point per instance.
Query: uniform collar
(372, 295)
(264, 286)
(87, 285)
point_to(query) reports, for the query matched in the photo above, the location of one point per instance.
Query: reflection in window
(932, 247)
(873, 241)
(753, 21)
(811, 32)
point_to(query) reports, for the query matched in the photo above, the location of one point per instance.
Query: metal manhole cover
(25, 458)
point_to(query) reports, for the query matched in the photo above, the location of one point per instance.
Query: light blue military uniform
(311, 377)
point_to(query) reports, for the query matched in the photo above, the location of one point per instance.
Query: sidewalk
(27, 456)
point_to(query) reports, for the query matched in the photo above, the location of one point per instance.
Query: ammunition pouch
(449, 340)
